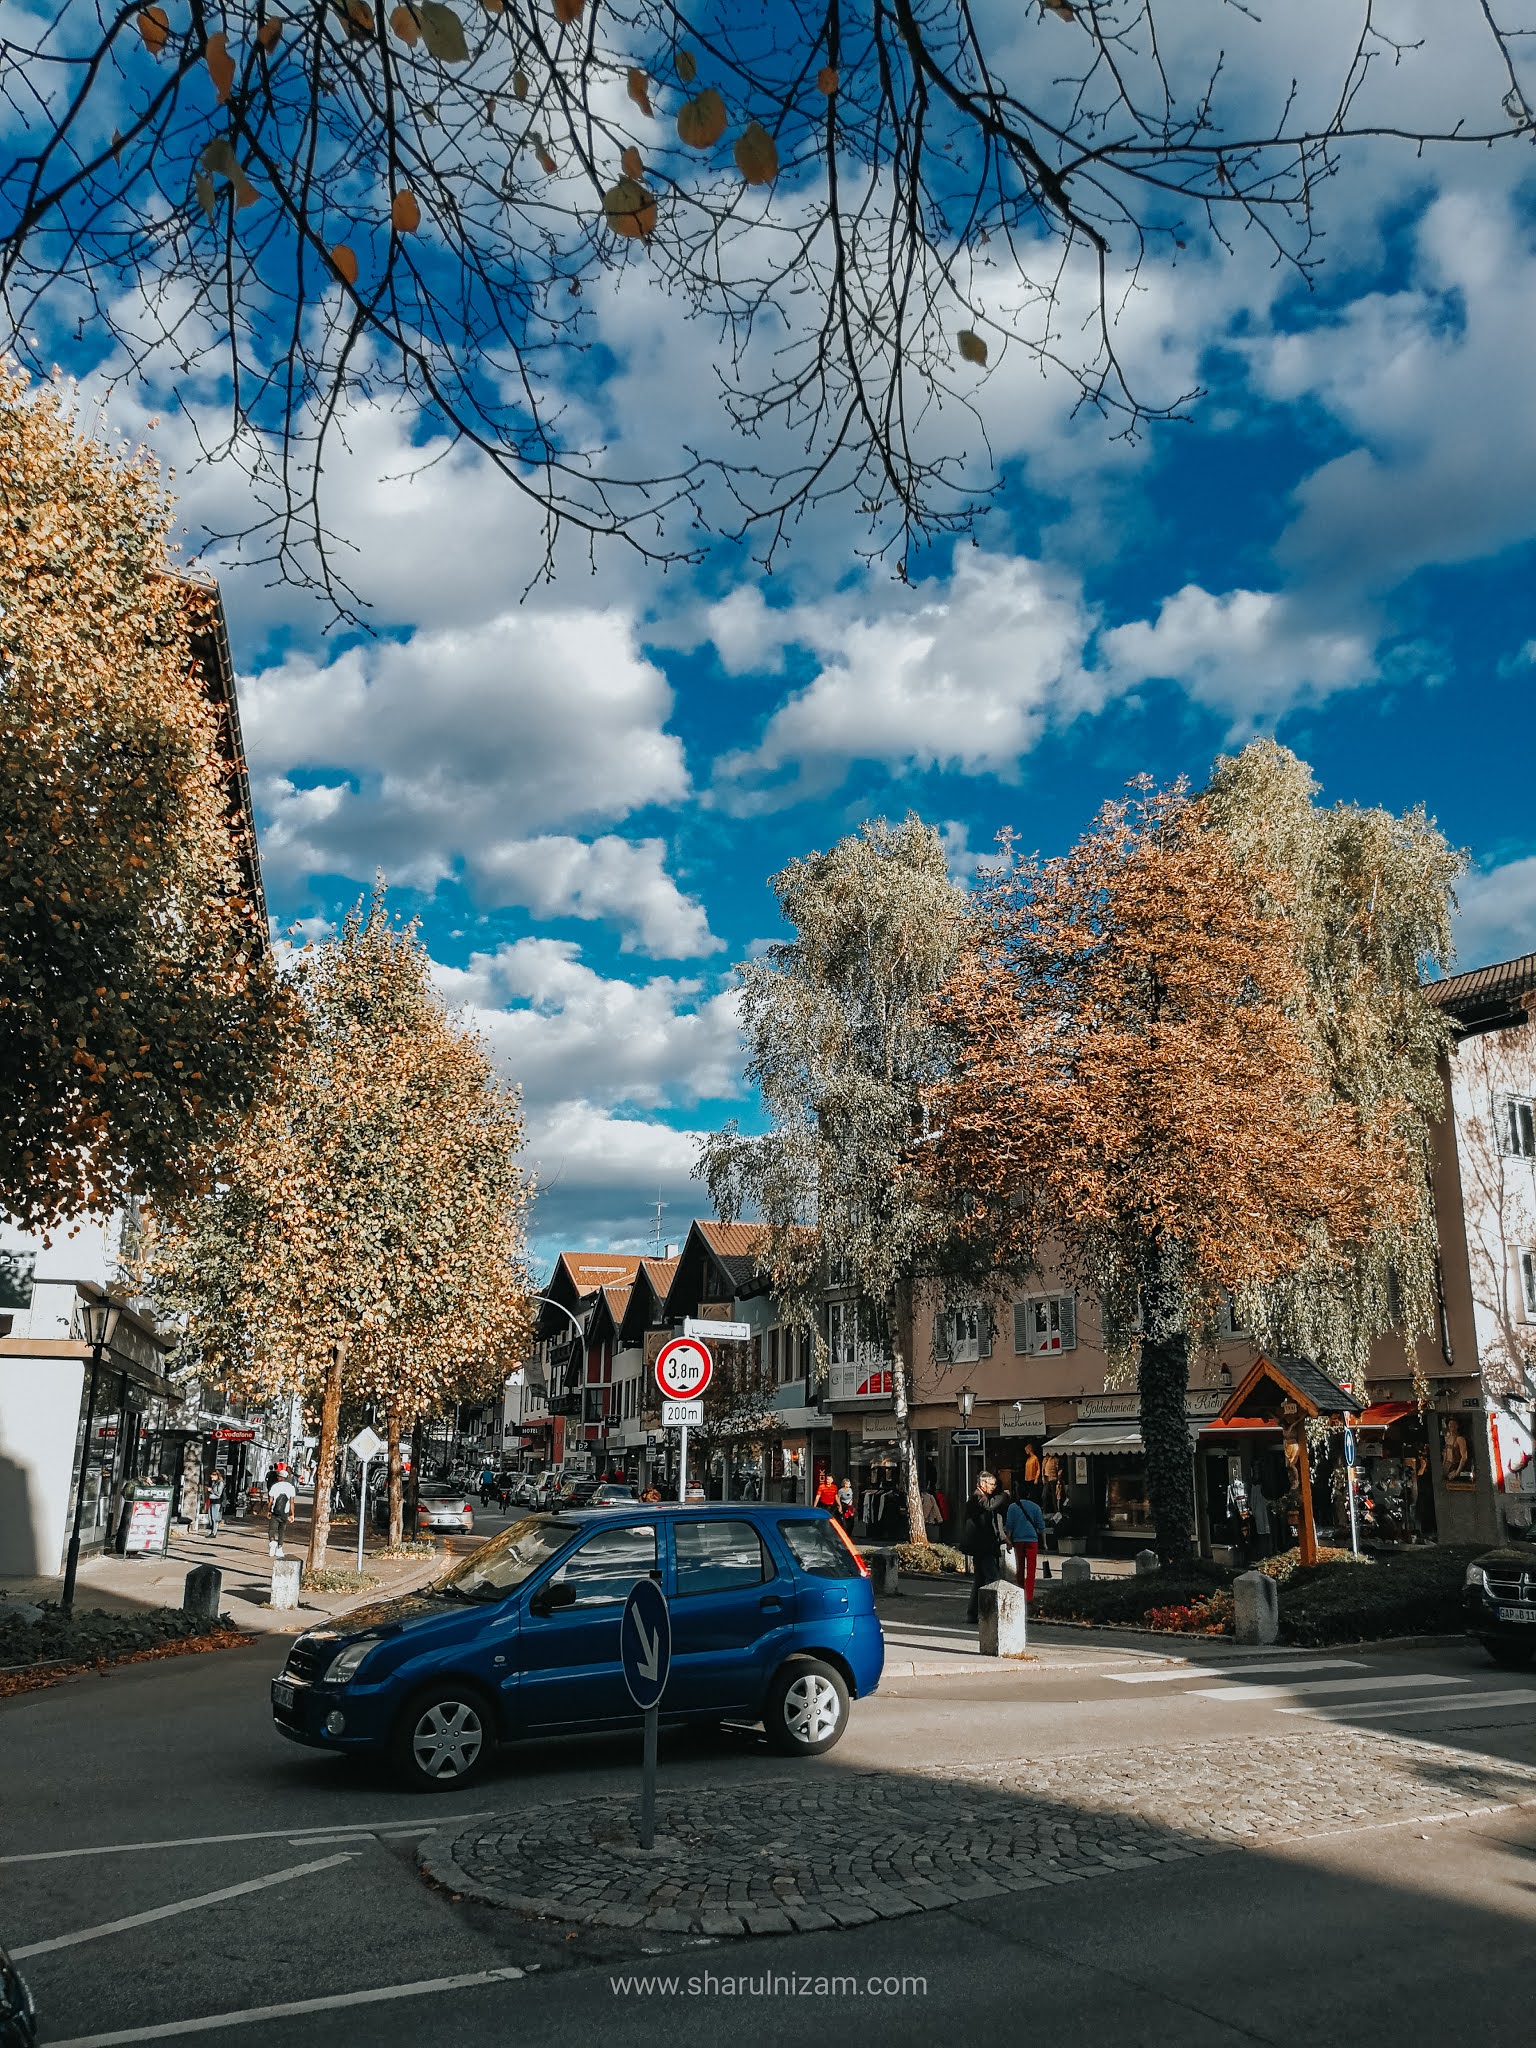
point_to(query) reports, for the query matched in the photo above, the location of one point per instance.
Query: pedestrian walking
(215, 1501)
(825, 1495)
(1024, 1527)
(845, 1500)
(281, 1498)
(980, 1541)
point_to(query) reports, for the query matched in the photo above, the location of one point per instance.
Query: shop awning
(1382, 1414)
(1087, 1437)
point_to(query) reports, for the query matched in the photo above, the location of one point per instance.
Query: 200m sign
(684, 1368)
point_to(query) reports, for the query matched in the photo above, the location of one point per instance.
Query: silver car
(445, 1507)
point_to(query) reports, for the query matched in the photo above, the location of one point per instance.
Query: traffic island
(842, 1849)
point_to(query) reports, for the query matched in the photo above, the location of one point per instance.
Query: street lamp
(98, 1319)
(965, 1401)
(581, 1339)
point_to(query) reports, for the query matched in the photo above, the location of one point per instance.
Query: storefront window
(1127, 1511)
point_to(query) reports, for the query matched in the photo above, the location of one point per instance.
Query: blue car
(773, 1619)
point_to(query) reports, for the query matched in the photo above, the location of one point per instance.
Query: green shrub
(1128, 1602)
(1406, 1593)
(90, 1635)
(921, 1558)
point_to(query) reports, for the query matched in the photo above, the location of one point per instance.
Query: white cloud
(1252, 654)
(564, 1032)
(621, 879)
(1497, 918)
(963, 672)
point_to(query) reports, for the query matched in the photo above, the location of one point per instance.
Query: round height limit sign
(684, 1369)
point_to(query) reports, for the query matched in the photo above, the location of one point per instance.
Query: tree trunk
(325, 1461)
(1163, 1381)
(396, 1478)
(413, 1491)
(916, 1531)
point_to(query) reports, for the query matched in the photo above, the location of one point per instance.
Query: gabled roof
(609, 1309)
(718, 1262)
(647, 1301)
(1270, 1381)
(1493, 998)
(576, 1278)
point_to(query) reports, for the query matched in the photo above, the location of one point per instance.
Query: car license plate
(282, 1695)
(1517, 1614)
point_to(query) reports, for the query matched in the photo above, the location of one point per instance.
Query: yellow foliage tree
(136, 987)
(364, 1233)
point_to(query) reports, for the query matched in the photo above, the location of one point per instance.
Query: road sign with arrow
(645, 1648)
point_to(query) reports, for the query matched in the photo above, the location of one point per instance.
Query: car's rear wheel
(443, 1739)
(1513, 1656)
(807, 1708)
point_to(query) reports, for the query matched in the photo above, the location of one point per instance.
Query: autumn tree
(1138, 1086)
(435, 203)
(136, 992)
(841, 1043)
(364, 1233)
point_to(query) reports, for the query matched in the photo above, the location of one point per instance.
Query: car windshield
(506, 1561)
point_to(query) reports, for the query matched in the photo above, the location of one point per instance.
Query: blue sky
(583, 793)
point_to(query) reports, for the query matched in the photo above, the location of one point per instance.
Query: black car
(18, 2016)
(1499, 1600)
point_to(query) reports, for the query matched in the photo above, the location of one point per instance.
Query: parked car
(1499, 1600)
(444, 1507)
(18, 2015)
(611, 1495)
(773, 1619)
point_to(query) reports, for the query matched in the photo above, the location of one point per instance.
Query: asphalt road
(148, 1793)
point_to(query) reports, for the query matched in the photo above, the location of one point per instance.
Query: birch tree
(364, 1232)
(841, 1043)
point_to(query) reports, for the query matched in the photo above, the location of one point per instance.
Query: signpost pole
(648, 1782)
(682, 1465)
(1349, 1460)
(362, 1510)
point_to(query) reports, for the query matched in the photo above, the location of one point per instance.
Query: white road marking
(232, 1891)
(1301, 1666)
(295, 2008)
(1409, 1707)
(1280, 1692)
(339, 1832)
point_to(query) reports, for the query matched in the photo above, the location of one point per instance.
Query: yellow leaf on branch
(221, 66)
(404, 213)
(155, 28)
(701, 121)
(757, 157)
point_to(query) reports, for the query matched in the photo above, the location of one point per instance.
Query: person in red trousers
(1025, 1529)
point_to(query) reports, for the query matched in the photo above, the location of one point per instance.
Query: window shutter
(940, 1340)
(1069, 1322)
(984, 1331)
(1021, 1328)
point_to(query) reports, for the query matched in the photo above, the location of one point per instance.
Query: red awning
(1244, 1425)
(1382, 1414)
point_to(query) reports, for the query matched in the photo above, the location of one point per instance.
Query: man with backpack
(281, 1498)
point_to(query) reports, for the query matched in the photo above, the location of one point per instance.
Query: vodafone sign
(684, 1368)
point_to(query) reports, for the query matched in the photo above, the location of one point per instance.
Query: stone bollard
(1002, 1617)
(200, 1595)
(1074, 1570)
(286, 1573)
(1256, 1601)
(884, 1571)
(1146, 1563)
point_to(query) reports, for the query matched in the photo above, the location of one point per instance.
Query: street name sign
(682, 1414)
(645, 1643)
(966, 1439)
(722, 1332)
(684, 1368)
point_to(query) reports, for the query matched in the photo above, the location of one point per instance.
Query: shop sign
(1110, 1408)
(234, 1436)
(148, 1520)
(1510, 1435)
(1021, 1418)
(879, 1429)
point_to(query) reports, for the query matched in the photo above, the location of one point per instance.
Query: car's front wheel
(1513, 1656)
(807, 1708)
(443, 1739)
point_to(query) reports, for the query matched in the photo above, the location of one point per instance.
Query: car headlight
(343, 1669)
(1477, 1578)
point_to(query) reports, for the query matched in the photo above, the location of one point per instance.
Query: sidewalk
(121, 1584)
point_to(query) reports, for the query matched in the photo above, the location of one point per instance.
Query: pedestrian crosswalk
(1336, 1687)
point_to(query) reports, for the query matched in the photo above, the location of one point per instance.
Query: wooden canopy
(1291, 1392)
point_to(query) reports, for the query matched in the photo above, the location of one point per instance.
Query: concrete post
(1003, 1616)
(1074, 1570)
(200, 1596)
(286, 1573)
(1146, 1563)
(1256, 1601)
(884, 1571)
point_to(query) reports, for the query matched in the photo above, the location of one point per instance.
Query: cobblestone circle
(829, 1848)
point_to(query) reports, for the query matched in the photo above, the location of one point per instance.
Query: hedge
(1405, 1593)
(91, 1636)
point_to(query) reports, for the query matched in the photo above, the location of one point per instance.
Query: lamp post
(965, 1401)
(581, 1338)
(99, 1320)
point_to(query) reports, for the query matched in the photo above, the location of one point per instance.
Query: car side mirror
(554, 1595)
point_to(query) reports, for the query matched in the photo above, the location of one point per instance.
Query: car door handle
(771, 1605)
